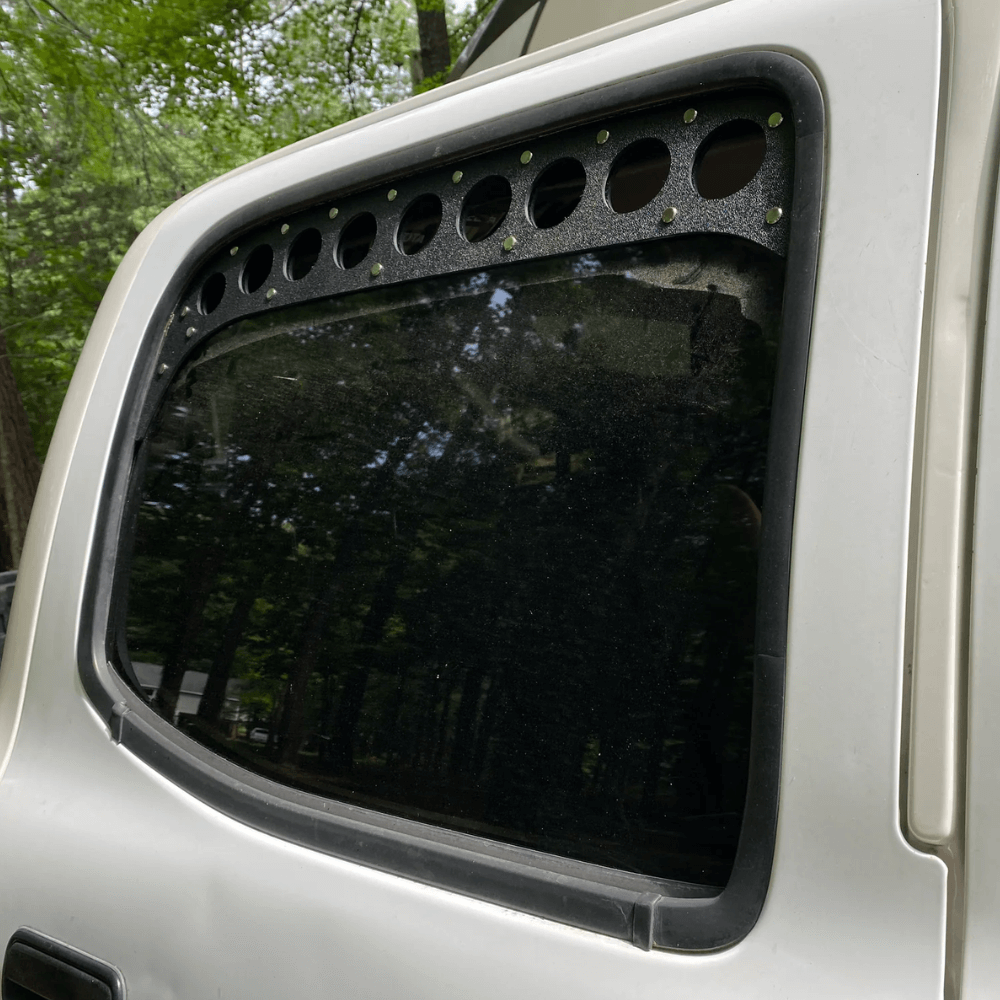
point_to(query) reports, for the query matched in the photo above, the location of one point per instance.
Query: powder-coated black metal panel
(591, 225)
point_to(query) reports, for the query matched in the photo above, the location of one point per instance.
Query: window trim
(648, 912)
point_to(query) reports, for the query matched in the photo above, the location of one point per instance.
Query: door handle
(36, 967)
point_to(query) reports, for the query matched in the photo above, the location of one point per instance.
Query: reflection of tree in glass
(481, 551)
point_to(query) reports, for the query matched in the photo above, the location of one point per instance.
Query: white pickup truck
(540, 540)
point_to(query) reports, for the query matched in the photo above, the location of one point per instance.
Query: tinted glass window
(479, 551)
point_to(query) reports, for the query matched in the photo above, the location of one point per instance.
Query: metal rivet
(233, 251)
(603, 136)
(776, 119)
(392, 194)
(669, 214)
(185, 311)
(457, 176)
(163, 369)
(270, 294)
(510, 243)
(690, 115)
(334, 212)
(190, 331)
(526, 156)
(772, 216)
(376, 270)
(285, 228)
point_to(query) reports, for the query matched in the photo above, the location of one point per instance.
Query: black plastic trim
(56, 970)
(648, 912)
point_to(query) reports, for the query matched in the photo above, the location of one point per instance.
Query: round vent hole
(419, 224)
(303, 253)
(356, 240)
(257, 268)
(211, 293)
(729, 158)
(557, 192)
(638, 174)
(484, 208)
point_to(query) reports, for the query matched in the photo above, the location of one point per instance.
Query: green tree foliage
(110, 111)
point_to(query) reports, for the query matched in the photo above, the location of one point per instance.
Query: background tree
(109, 112)
(435, 53)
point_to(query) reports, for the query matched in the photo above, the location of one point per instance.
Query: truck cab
(538, 539)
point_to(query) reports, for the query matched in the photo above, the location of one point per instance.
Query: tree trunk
(19, 465)
(199, 582)
(353, 697)
(435, 52)
(213, 700)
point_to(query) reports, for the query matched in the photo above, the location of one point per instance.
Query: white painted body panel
(105, 854)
